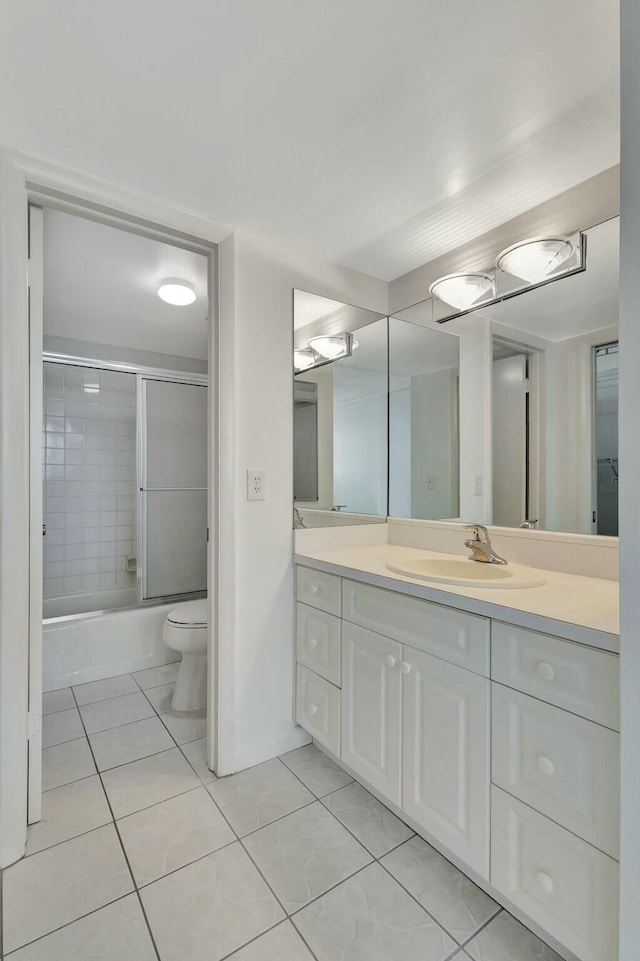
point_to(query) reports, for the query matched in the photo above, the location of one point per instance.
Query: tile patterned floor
(143, 853)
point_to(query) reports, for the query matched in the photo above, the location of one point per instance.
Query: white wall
(630, 472)
(265, 274)
(400, 447)
(360, 431)
(323, 377)
(434, 437)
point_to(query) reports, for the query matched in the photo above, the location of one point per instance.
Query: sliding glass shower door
(172, 464)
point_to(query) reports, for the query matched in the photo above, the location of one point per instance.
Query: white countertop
(581, 609)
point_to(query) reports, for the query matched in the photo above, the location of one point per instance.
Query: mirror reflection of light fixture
(304, 358)
(176, 292)
(462, 290)
(333, 346)
(535, 260)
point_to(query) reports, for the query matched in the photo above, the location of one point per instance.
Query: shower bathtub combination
(125, 513)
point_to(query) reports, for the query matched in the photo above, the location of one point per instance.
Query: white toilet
(185, 630)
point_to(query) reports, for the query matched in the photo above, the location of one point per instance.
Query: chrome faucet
(480, 546)
(529, 524)
(298, 523)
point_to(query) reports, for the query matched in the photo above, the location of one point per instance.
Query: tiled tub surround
(497, 742)
(89, 481)
(155, 859)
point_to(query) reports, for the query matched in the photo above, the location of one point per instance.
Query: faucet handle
(480, 532)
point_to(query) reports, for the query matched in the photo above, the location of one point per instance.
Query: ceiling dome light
(176, 292)
(304, 358)
(535, 260)
(462, 290)
(333, 346)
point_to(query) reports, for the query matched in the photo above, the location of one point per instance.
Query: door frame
(24, 179)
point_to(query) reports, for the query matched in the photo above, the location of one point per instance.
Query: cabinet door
(446, 755)
(371, 708)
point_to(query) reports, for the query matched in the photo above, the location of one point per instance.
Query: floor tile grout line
(426, 911)
(123, 849)
(484, 925)
(378, 858)
(284, 921)
(268, 824)
(333, 887)
(67, 924)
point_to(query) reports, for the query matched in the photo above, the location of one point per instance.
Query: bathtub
(89, 601)
(89, 646)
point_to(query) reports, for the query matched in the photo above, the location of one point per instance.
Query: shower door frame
(141, 372)
(174, 377)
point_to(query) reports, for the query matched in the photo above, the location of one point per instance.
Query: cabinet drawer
(318, 708)
(318, 589)
(560, 881)
(559, 764)
(454, 636)
(579, 679)
(318, 642)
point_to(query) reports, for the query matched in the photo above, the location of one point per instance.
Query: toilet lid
(190, 614)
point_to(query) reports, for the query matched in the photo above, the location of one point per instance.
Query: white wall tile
(89, 454)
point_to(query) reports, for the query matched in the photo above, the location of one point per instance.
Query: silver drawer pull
(314, 589)
(546, 766)
(313, 709)
(405, 668)
(391, 660)
(313, 642)
(545, 882)
(545, 671)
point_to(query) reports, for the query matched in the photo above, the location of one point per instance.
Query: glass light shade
(535, 260)
(176, 292)
(303, 358)
(462, 290)
(331, 346)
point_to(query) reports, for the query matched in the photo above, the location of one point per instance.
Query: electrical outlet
(256, 481)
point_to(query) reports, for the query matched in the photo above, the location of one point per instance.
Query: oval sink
(468, 573)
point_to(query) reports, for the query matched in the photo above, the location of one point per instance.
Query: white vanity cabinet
(499, 743)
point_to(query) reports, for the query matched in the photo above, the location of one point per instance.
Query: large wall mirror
(555, 398)
(539, 397)
(340, 412)
(375, 416)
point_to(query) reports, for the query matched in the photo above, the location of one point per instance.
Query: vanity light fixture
(304, 358)
(535, 260)
(462, 291)
(176, 292)
(333, 346)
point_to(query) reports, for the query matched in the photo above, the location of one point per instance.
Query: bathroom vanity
(489, 725)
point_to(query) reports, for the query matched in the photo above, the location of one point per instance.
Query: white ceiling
(374, 134)
(101, 283)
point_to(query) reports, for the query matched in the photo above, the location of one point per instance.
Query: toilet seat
(191, 614)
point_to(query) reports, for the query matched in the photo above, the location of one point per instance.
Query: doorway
(605, 446)
(119, 455)
(514, 435)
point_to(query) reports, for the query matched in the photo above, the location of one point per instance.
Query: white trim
(14, 512)
(36, 529)
(22, 178)
(125, 367)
